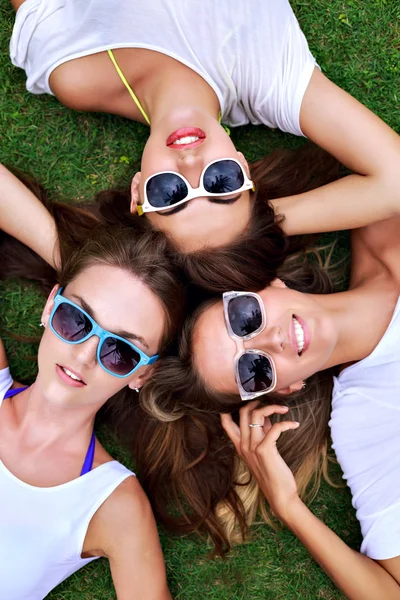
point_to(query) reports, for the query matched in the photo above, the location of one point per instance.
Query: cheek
(155, 158)
(50, 349)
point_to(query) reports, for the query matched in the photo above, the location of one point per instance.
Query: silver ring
(256, 424)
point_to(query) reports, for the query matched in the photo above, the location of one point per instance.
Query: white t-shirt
(6, 382)
(365, 424)
(43, 529)
(251, 52)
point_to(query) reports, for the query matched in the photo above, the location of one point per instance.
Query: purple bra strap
(88, 462)
(14, 392)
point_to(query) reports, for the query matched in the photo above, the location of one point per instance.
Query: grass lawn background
(357, 44)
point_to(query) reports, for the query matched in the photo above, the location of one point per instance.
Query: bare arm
(359, 577)
(361, 141)
(23, 216)
(129, 538)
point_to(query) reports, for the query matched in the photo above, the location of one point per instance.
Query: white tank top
(42, 530)
(365, 424)
(251, 52)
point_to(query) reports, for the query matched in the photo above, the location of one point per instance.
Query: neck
(359, 325)
(162, 89)
(45, 423)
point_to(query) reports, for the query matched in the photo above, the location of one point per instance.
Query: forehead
(120, 301)
(214, 350)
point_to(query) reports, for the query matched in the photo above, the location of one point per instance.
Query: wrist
(292, 513)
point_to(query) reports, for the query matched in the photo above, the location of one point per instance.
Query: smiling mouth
(299, 335)
(186, 137)
(71, 375)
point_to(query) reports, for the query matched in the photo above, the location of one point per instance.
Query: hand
(257, 447)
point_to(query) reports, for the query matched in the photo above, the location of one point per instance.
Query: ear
(49, 305)
(244, 162)
(293, 387)
(138, 380)
(278, 283)
(135, 196)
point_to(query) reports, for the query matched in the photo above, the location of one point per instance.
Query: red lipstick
(177, 141)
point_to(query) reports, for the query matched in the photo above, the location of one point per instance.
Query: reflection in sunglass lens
(118, 357)
(223, 176)
(245, 315)
(166, 189)
(70, 323)
(255, 372)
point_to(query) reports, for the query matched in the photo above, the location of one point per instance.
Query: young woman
(180, 65)
(288, 344)
(112, 312)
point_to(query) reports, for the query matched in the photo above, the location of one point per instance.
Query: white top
(365, 424)
(251, 52)
(42, 530)
(6, 382)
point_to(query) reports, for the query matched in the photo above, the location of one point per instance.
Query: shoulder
(127, 502)
(124, 531)
(123, 518)
(375, 252)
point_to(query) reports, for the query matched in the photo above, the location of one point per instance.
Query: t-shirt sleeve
(6, 382)
(381, 533)
(282, 107)
(365, 438)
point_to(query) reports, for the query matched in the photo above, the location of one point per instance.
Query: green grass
(357, 44)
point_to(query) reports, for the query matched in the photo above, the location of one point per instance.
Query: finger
(262, 416)
(276, 430)
(245, 420)
(231, 429)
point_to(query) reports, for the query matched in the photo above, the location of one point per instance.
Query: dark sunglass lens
(118, 357)
(71, 323)
(255, 372)
(245, 315)
(166, 189)
(223, 177)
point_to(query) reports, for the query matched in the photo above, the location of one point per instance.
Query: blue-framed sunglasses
(115, 355)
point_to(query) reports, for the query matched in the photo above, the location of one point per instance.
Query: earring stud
(137, 390)
(41, 324)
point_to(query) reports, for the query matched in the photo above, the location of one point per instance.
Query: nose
(269, 340)
(86, 352)
(191, 166)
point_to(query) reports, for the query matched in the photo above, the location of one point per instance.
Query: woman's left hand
(256, 445)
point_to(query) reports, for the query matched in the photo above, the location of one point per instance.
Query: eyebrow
(120, 332)
(173, 211)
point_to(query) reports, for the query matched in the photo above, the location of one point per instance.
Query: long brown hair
(262, 248)
(189, 467)
(186, 461)
(85, 240)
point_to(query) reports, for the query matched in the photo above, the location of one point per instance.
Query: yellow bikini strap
(128, 87)
(228, 131)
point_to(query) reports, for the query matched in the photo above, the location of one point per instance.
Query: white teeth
(71, 374)
(299, 332)
(189, 139)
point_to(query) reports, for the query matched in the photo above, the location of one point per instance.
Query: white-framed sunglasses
(245, 318)
(168, 189)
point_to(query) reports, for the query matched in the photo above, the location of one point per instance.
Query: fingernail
(296, 423)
